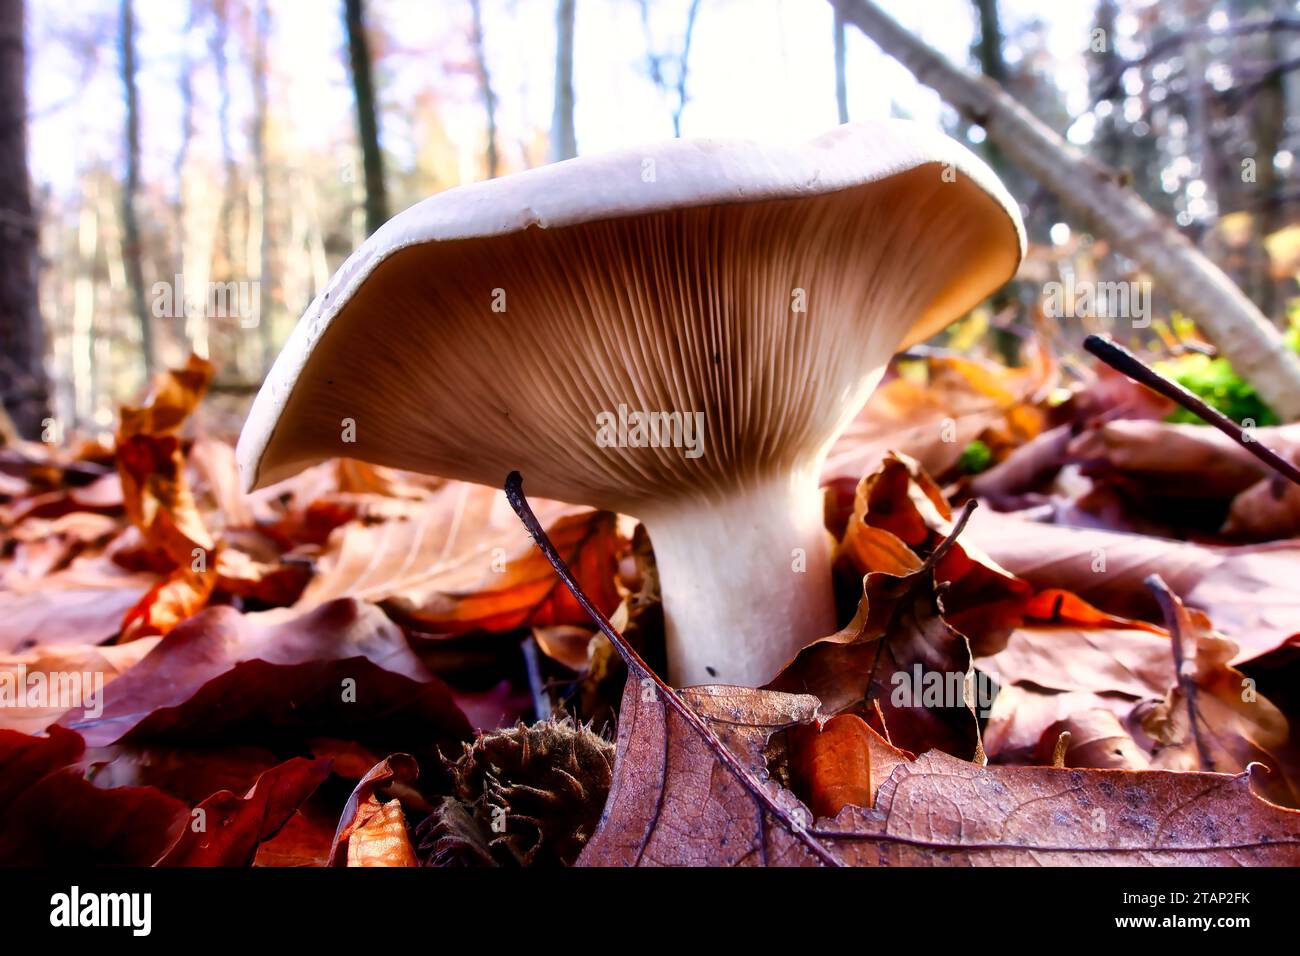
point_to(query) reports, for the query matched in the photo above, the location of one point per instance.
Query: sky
(759, 69)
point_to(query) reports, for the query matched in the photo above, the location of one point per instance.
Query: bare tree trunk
(1268, 122)
(217, 44)
(131, 251)
(992, 64)
(83, 304)
(564, 142)
(841, 81)
(259, 234)
(363, 88)
(676, 83)
(1095, 194)
(1198, 117)
(23, 383)
(485, 86)
(187, 134)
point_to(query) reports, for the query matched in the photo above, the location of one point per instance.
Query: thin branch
(1109, 83)
(1171, 609)
(1122, 360)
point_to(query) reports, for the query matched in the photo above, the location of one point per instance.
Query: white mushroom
(756, 291)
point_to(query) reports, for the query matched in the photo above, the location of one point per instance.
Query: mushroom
(677, 333)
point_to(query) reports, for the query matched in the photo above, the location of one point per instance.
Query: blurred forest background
(152, 148)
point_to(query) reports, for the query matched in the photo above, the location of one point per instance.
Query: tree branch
(1094, 194)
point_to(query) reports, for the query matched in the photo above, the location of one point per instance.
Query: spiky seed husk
(533, 795)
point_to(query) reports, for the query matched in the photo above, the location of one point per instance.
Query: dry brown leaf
(1097, 740)
(1184, 461)
(226, 829)
(461, 561)
(1063, 644)
(1105, 568)
(673, 803)
(377, 826)
(151, 464)
(1233, 726)
(933, 420)
(1247, 591)
(830, 764)
(887, 661)
(92, 663)
(175, 598)
(1266, 511)
(84, 603)
(1251, 596)
(897, 510)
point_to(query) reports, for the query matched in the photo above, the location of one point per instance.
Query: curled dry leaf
(380, 836)
(899, 517)
(177, 597)
(226, 829)
(674, 803)
(152, 466)
(897, 648)
(372, 830)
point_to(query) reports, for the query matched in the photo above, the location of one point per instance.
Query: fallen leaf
(372, 831)
(1212, 718)
(342, 669)
(899, 655)
(830, 765)
(1097, 740)
(52, 815)
(151, 464)
(674, 804)
(460, 562)
(226, 829)
(83, 668)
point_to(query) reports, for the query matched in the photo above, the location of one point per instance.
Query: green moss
(975, 457)
(1214, 381)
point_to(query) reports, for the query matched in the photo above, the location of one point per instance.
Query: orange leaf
(151, 464)
(380, 837)
(831, 766)
(183, 593)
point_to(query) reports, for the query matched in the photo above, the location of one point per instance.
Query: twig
(537, 685)
(1121, 359)
(514, 488)
(1058, 752)
(1171, 609)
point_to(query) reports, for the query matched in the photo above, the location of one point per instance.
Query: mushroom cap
(763, 286)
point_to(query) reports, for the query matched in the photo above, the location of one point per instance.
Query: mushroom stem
(746, 581)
